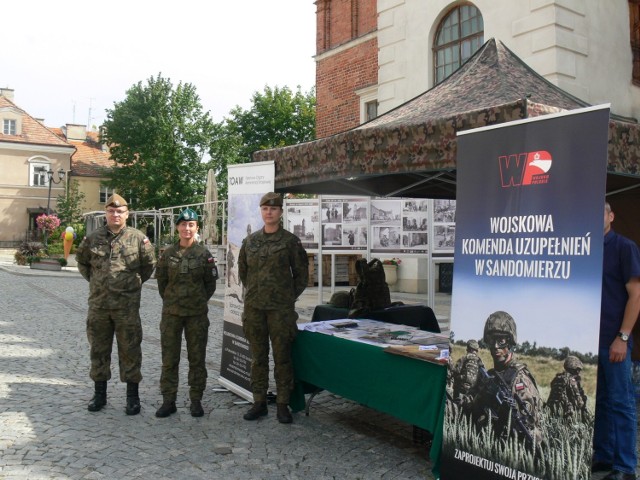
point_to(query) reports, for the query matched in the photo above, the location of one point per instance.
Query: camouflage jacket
(466, 373)
(566, 394)
(116, 266)
(522, 400)
(186, 280)
(273, 268)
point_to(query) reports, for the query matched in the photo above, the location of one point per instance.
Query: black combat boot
(99, 399)
(258, 410)
(284, 415)
(196, 408)
(133, 400)
(167, 408)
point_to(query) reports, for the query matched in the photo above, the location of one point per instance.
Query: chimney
(76, 132)
(7, 92)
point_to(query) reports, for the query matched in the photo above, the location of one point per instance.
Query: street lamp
(61, 174)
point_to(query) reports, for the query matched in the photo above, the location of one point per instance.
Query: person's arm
(299, 268)
(147, 259)
(618, 349)
(210, 274)
(82, 259)
(162, 275)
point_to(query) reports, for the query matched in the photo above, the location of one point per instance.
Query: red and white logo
(520, 169)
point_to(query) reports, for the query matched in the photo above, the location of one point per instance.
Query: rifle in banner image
(498, 389)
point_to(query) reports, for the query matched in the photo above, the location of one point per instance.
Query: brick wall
(340, 74)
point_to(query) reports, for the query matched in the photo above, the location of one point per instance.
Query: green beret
(115, 200)
(187, 215)
(272, 199)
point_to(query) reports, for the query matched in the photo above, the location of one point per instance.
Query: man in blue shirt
(614, 440)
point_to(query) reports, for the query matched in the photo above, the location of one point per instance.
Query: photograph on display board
(303, 221)
(355, 211)
(386, 212)
(415, 205)
(386, 237)
(525, 309)
(332, 212)
(332, 234)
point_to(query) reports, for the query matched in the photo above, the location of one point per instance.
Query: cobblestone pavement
(46, 431)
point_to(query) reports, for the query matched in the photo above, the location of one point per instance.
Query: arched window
(459, 35)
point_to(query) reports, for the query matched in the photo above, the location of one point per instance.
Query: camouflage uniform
(466, 374)
(186, 281)
(567, 396)
(508, 397)
(116, 266)
(274, 271)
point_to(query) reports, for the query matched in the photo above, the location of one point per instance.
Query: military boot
(196, 408)
(133, 400)
(284, 415)
(259, 409)
(167, 408)
(99, 399)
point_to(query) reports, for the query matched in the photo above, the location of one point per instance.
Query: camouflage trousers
(279, 326)
(196, 333)
(102, 324)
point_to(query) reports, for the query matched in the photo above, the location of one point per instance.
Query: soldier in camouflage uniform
(466, 374)
(273, 267)
(116, 260)
(507, 395)
(567, 396)
(186, 275)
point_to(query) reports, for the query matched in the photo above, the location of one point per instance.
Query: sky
(69, 61)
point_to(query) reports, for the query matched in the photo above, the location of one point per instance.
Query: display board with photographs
(444, 226)
(344, 223)
(302, 219)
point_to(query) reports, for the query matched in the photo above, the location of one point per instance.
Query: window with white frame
(105, 192)
(38, 169)
(459, 35)
(368, 103)
(9, 127)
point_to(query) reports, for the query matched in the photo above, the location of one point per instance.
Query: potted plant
(390, 266)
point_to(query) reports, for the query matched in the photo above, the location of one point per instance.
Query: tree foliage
(69, 204)
(158, 137)
(277, 117)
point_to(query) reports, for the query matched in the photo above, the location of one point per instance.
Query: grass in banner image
(517, 410)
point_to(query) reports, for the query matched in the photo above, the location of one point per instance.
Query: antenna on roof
(91, 99)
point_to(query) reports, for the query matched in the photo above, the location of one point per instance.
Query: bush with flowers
(392, 261)
(48, 223)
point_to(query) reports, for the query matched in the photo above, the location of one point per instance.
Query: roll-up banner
(246, 185)
(526, 298)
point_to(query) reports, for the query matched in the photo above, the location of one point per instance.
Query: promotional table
(409, 389)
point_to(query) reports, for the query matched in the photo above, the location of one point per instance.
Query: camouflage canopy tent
(411, 151)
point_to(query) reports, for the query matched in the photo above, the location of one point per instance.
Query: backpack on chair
(372, 291)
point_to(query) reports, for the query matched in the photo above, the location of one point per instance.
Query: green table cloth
(409, 389)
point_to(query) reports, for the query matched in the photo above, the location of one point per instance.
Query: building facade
(28, 151)
(382, 53)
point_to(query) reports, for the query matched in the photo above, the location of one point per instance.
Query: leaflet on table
(429, 353)
(377, 333)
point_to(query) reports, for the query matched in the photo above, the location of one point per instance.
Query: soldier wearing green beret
(116, 260)
(273, 267)
(186, 276)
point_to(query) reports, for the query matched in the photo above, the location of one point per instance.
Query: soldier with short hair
(466, 373)
(507, 395)
(567, 398)
(116, 260)
(274, 269)
(186, 276)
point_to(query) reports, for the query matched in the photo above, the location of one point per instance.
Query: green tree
(159, 137)
(69, 204)
(277, 117)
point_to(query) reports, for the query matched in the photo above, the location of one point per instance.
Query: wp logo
(525, 168)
